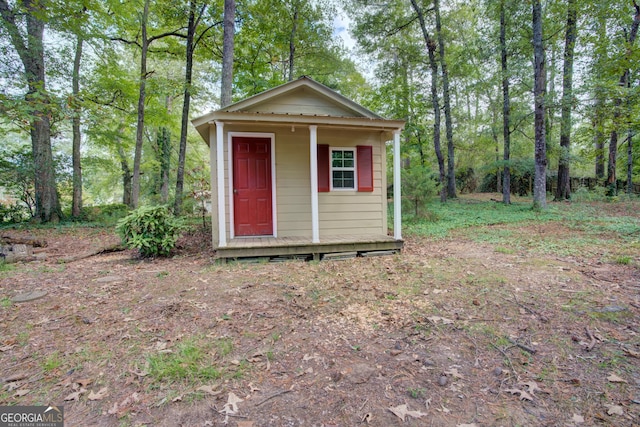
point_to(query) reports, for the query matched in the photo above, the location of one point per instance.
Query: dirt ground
(449, 333)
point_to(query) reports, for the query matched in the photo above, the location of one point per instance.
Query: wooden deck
(299, 247)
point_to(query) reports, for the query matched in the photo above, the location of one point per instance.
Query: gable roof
(304, 86)
(301, 101)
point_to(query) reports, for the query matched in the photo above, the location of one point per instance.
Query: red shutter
(365, 167)
(323, 168)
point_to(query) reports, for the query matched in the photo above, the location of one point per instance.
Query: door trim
(274, 210)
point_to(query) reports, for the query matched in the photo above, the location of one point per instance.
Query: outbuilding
(300, 170)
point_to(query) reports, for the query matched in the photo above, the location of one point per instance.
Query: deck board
(243, 247)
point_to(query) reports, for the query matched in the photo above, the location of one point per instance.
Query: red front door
(252, 206)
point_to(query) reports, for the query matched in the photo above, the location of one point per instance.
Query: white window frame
(355, 168)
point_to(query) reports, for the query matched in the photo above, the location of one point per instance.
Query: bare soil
(462, 333)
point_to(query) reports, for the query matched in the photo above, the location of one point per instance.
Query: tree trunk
(164, 152)
(506, 108)
(564, 188)
(539, 182)
(617, 110)
(76, 204)
(31, 52)
(126, 176)
(630, 162)
(431, 48)
(598, 113)
(137, 157)
(182, 154)
(451, 165)
(598, 135)
(226, 84)
(292, 39)
(164, 146)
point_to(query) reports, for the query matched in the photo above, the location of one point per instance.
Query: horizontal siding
(294, 182)
(302, 101)
(341, 207)
(340, 212)
(358, 212)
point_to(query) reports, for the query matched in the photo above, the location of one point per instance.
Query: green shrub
(153, 230)
(13, 213)
(103, 214)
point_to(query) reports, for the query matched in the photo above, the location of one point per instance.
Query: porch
(304, 248)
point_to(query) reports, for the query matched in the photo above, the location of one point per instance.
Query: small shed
(300, 170)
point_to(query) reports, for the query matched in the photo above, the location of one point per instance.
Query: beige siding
(359, 213)
(294, 182)
(340, 212)
(302, 101)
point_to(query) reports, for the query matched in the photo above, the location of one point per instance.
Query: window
(343, 168)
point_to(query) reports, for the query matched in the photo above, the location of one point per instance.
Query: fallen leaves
(614, 409)
(523, 394)
(21, 392)
(437, 319)
(209, 390)
(231, 407)
(75, 396)
(578, 419)
(529, 393)
(402, 412)
(99, 395)
(613, 378)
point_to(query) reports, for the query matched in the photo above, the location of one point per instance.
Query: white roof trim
(305, 81)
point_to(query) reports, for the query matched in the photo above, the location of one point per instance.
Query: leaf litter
(403, 320)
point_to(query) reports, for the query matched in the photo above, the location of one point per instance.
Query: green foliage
(104, 214)
(13, 213)
(463, 213)
(418, 188)
(153, 230)
(583, 194)
(17, 175)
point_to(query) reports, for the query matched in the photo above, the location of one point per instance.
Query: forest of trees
(498, 95)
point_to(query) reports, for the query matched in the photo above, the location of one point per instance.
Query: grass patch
(463, 213)
(188, 361)
(5, 266)
(224, 346)
(52, 362)
(623, 260)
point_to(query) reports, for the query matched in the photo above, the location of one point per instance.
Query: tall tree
(143, 43)
(446, 97)
(29, 47)
(630, 161)
(618, 106)
(292, 38)
(431, 48)
(540, 177)
(506, 107)
(76, 203)
(599, 95)
(195, 15)
(564, 189)
(226, 84)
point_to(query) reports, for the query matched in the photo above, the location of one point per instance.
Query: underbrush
(608, 230)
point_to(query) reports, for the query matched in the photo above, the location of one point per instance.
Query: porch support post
(397, 192)
(222, 216)
(313, 156)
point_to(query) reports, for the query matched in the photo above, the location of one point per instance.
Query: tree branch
(125, 41)
(8, 16)
(195, 43)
